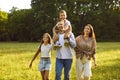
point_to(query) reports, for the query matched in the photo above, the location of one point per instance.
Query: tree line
(30, 24)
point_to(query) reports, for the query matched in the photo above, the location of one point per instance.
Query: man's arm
(54, 32)
(72, 41)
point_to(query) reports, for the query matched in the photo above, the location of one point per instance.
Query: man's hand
(55, 38)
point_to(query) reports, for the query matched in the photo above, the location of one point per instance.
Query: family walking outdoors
(66, 45)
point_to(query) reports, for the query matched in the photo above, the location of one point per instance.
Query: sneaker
(66, 43)
(57, 45)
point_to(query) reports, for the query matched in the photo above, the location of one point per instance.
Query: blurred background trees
(30, 24)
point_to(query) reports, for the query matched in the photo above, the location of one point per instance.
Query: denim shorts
(44, 64)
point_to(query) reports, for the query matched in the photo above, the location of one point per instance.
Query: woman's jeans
(60, 64)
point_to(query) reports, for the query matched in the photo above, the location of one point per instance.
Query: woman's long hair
(91, 34)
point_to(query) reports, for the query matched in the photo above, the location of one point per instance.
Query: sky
(6, 5)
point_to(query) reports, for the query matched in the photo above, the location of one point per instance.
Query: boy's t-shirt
(67, 24)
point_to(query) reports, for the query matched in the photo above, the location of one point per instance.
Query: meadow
(15, 58)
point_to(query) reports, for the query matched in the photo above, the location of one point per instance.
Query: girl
(45, 62)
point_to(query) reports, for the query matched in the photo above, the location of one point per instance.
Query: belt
(45, 57)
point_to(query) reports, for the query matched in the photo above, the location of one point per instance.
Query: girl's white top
(46, 50)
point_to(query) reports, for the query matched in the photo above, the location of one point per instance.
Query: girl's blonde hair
(50, 39)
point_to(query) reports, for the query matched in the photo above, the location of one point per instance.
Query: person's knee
(58, 74)
(46, 77)
(80, 78)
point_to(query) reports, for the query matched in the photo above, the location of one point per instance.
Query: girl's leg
(46, 76)
(42, 74)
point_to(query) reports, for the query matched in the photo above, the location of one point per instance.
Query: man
(64, 54)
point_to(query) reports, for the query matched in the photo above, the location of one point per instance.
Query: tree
(3, 26)
(80, 12)
(31, 24)
(21, 23)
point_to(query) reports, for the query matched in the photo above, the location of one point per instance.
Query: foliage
(3, 26)
(80, 12)
(31, 24)
(21, 25)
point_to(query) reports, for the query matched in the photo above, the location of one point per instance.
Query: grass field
(15, 58)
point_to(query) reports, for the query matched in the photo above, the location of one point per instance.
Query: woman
(45, 57)
(85, 50)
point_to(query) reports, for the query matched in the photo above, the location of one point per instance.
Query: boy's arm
(69, 30)
(69, 26)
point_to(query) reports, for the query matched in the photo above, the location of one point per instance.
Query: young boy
(67, 28)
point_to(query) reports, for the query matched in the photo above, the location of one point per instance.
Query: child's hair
(63, 11)
(50, 39)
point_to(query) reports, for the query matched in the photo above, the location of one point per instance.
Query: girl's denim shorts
(44, 64)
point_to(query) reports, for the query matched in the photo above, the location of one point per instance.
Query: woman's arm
(94, 52)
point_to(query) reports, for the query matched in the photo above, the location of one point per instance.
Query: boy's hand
(67, 35)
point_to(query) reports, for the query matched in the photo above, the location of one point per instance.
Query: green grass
(15, 58)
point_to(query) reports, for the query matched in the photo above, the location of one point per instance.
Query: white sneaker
(57, 45)
(66, 43)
